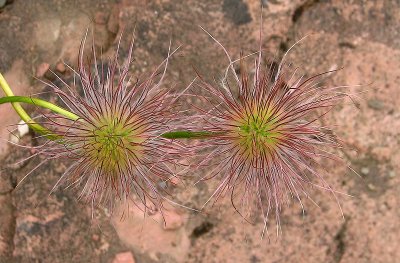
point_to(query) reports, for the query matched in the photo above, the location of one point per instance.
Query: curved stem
(22, 113)
(40, 103)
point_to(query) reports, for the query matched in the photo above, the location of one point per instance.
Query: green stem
(40, 103)
(189, 134)
(22, 113)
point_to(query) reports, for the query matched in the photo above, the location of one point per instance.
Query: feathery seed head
(267, 144)
(115, 144)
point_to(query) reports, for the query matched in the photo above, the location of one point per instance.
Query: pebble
(392, 174)
(371, 187)
(125, 257)
(95, 237)
(42, 69)
(375, 104)
(23, 128)
(365, 170)
(2, 3)
(60, 67)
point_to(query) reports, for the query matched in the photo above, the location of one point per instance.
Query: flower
(265, 142)
(115, 144)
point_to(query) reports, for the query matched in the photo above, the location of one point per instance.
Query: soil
(361, 37)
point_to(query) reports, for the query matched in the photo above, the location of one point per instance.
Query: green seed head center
(258, 135)
(110, 138)
(112, 142)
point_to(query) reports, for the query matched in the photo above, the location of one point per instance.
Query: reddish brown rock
(360, 36)
(125, 257)
(7, 227)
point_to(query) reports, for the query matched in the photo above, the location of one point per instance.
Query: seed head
(115, 145)
(267, 140)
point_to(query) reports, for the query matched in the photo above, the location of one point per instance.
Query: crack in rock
(299, 11)
(340, 243)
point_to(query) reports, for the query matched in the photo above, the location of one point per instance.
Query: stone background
(363, 37)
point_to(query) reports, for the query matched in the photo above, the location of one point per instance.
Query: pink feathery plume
(265, 141)
(116, 146)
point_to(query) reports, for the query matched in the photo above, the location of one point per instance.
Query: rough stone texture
(7, 228)
(360, 36)
(125, 257)
(50, 228)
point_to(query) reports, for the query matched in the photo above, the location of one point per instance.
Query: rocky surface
(361, 37)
